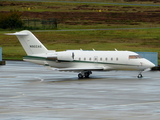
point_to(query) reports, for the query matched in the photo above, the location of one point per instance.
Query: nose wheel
(140, 75)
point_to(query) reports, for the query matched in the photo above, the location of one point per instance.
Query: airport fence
(40, 23)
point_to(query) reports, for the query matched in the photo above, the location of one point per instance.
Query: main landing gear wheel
(84, 74)
(80, 76)
(140, 76)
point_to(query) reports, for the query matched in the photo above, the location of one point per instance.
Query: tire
(86, 74)
(140, 76)
(80, 76)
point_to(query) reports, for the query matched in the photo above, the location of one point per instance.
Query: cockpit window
(134, 57)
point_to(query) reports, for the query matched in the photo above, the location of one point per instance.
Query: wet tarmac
(33, 92)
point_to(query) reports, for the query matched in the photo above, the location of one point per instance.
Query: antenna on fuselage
(115, 49)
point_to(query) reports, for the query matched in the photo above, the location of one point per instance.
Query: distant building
(1, 61)
(0, 54)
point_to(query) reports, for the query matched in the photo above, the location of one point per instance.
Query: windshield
(134, 57)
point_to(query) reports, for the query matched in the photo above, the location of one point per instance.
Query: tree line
(12, 20)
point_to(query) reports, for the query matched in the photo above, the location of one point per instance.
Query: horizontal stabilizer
(17, 33)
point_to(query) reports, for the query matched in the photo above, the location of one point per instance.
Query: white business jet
(80, 61)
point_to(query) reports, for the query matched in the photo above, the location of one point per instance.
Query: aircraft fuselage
(108, 60)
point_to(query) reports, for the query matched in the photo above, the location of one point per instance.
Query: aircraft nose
(150, 64)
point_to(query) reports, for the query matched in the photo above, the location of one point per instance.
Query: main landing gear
(84, 74)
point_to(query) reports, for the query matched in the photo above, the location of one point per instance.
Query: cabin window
(79, 58)
(100, 59)
(90, 59)
(111, 59)
(84, 58)
(117, 59)
(106, 59)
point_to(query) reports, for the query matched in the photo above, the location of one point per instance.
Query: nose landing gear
(140, 75)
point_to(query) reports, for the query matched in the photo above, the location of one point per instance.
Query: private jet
(81, 61)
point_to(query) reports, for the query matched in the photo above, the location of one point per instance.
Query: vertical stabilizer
(29, 42)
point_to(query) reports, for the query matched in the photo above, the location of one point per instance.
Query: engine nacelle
(65, 56)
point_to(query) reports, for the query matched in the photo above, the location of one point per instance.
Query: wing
(81, 69)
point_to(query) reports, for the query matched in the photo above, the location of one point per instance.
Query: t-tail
(30, 43)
